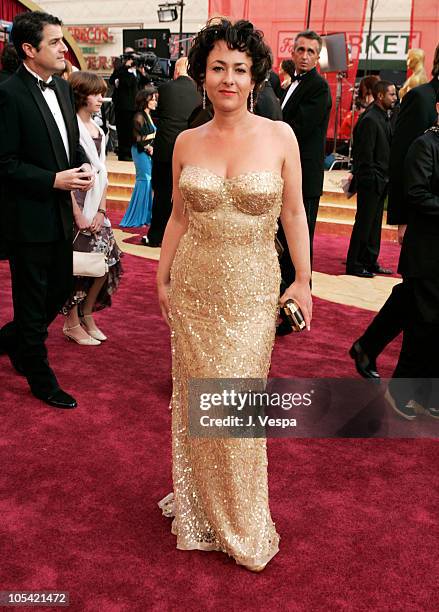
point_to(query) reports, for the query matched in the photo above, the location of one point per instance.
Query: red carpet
(330, 254)
(358, 518)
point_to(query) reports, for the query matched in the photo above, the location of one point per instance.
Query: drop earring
(204, 98)
(251, 102)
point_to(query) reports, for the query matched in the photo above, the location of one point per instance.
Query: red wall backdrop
(425, 19)
(10, 8)
(281, 20)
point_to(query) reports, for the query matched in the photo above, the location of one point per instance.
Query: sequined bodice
(243, 209)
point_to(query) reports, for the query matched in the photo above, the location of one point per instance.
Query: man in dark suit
(418, 363)
(306, 108)
(417, 113)
(126, 80)
(177, 101)
(267, 103)
(39, 159)
(371, 153)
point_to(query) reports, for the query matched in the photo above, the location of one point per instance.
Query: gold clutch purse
(294, 315)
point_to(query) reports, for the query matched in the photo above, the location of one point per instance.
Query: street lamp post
(180, 36)
(168, 12)
(308, 14)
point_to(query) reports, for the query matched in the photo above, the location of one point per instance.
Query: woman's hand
(81, 222)
(163, 295)
(300, 291)
(149, 149)
(97, 223)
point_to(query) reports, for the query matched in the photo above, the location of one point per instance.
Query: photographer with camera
(127, 79)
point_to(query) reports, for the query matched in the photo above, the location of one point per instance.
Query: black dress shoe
(380, 270)
(153, 245)
(284, 328)
(58, 399)
(405, 410)
(365, 366)
(361, 273)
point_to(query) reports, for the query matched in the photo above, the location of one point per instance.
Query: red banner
(425, 20)
(281, 20)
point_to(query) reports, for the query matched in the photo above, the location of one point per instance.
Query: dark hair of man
(144, 96)
(288, 67)
(311, 35)
(240, 35)
(86, 84)
(435, 71)
(28, 28)
(9, 59)
(381, 87)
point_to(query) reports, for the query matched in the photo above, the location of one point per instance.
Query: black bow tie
(298, 77)
(43, 85)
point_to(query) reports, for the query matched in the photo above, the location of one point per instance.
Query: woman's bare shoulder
(284, 131)
(278, 133)
(190, 137)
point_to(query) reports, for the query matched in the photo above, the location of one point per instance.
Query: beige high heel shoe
(93, 332)
(83, 341)
(256, 568)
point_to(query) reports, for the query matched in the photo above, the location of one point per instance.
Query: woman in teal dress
(139, 209)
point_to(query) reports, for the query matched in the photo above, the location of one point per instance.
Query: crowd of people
(215, 209)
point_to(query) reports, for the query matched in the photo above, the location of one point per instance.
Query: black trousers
(288, 272)
(124, 128)
(42, 278)
(161, 180)
(387, 324)
(416, 375)
(365, 243)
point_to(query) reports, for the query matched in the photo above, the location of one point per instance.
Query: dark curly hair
(240, 35)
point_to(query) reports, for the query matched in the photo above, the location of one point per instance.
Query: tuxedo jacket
(124, 95)
(417, 114)
(267, 104)
(371, 150)
(307, 112)
(31, 153)
(420, 250)
(177, 100)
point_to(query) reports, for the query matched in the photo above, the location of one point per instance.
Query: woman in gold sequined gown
(218, 285)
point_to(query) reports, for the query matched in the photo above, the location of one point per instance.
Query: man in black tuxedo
(39, 159)
(306, 108)
(417, 113)
(371, 154)
(177, 101)
(418, 363)
(126, 80)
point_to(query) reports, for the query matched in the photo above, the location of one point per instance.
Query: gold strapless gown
(224, 296)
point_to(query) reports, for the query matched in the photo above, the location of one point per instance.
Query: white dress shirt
(52, 102)
(290, 91)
